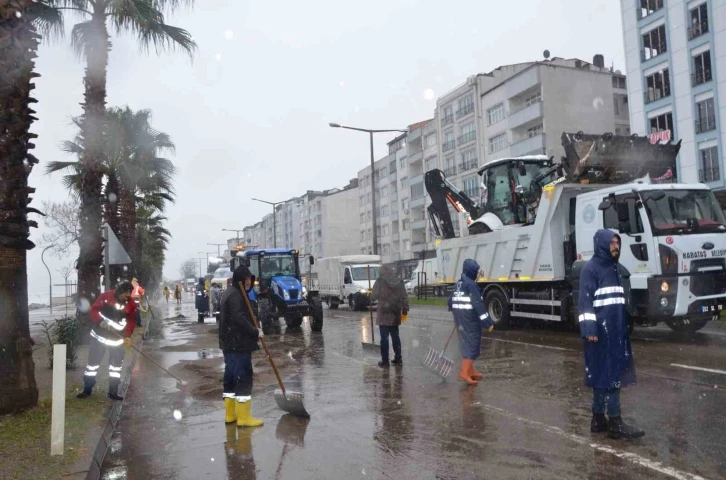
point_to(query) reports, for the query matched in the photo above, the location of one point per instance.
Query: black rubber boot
(383, 364)
(85, 393)
(397, 361)
(115, 396)
(599, 423)
(617, 429)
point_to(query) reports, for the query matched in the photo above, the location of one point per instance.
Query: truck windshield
(684, 212)
(361, 273)
(277, 266)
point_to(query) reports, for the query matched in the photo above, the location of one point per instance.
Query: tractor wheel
(317, 321)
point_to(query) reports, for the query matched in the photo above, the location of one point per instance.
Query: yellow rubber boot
(244, 418)
(230, 416)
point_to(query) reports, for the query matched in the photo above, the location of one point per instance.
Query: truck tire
(684, 325)
(497, 308)
(316, 324)
(333, 303)
(293, 321)
(352, 304)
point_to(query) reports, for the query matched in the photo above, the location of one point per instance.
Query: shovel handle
(447, 341)
(152, 360)
(262, 339)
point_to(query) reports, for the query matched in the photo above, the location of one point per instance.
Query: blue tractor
(279, 291)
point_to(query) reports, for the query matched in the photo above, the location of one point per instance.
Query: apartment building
(522, 109)
(676, 67)
(402, 228)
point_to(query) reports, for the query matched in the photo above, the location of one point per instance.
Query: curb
(94, 470)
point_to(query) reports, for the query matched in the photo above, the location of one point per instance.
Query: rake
(437, 362)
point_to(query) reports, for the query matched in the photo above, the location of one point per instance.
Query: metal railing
(706, 124)
(468, 165)
(709, 175)
(700, 77)
(524, 106)
(466, 110)
(657, 94)
(447, 120)
(450, 145)
(450, 171)
(697, 29)
(466, 138)
(659, 48)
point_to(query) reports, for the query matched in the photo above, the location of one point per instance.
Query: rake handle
(151, 360)
(262, 339)
(451, 335)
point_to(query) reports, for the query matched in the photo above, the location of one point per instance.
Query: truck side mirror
(312, 260)
(605, 204)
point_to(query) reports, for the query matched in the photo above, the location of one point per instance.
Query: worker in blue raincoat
(201, 300)
(604, 327)
(470, 316)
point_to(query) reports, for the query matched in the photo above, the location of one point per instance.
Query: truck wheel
(317, 321)
(352, 303)
(497, 308)
(684, 325)
(333, 304)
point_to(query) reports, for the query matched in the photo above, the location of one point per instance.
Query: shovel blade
(291, 402)
(437, 363)
(371, 347)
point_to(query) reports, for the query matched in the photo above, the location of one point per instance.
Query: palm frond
(82, 38)
(48, 20)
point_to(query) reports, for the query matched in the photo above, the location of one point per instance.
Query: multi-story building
(402, 227)
(522, 109)
(674, 52)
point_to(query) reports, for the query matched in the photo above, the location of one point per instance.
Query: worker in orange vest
(136, 294)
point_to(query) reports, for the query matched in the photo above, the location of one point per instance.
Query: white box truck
(345, 279)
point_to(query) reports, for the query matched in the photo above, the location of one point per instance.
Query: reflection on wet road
(529, 418)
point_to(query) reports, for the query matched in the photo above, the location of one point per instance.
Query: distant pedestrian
(470, 316)
(167, 293)
(178, 294)
(390, 292)
(202, 300)
(238, 339)
(603, 322)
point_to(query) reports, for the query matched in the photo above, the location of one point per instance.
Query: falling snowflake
(228, 34)
(341, 83)
(429, 94)
(18, 14)
(218, 56)
(83, 305)
(178, 416)
(112, 197)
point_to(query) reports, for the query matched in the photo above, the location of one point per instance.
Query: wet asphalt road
(529, 418)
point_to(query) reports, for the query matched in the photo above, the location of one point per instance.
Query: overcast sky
(249, 115)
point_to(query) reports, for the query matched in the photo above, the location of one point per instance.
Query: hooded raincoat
(602, 314)
(202, 299)
(390, 292)
(470, 314)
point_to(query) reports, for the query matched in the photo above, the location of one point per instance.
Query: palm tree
(21, 23)
(153, 238)
(91, 40)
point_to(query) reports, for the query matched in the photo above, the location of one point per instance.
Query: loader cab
(510, 184)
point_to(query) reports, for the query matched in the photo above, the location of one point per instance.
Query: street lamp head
(334, 125)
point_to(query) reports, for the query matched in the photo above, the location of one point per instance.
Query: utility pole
(274, 218)
(219, 245)
(233, 230)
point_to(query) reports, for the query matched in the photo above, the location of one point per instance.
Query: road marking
(700, 369)
(532, 344)
(631, 457)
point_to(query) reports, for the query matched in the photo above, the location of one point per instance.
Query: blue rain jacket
(202, 299)
(470, 314)
(602, 313)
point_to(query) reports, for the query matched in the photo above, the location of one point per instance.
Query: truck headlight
(304, 291)
(664, 287)
(285, 294)
(362, 290)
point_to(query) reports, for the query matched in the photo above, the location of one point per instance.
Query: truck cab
(673, 248)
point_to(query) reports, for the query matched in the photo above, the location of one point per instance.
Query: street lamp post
(218, 245)
(232, 230)
(201, 274)
(274, 218)
(50, 280)
(373, 176)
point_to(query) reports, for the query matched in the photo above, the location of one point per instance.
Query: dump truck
(279, 291)
(532, 232)
(347, 279)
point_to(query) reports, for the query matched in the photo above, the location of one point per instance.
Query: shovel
(289, 401)
(437, 362)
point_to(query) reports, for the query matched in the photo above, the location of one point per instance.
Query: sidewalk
(25, 438)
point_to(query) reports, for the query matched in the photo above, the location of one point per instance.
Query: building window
(392, 166)
(705, 116)
(402, 163)
(385, 230)
(384, 211)
(710, 168)
(430, 140)
(699, 21)
(394, 207)
(498, 143)
(496, 114)
(648, 7)
(616, 105)
(368, 197)
(657, 86)
(701, 68)
(406, 224)
(384, 192)
(386, 249)
(430, 163)
(369, 233)
(448, 115)
(654, 43)
(383, 172)
(468, 133)
(368, 215)
(661, 123)
(449, 166)
(404, 204)
(449, 141)
(407, 245)
(466, 106)
(471, 187)
(536, 130)
(404, 182)
(362, 234)
(619, 82)
(417, 191)
(468, 160)
(362, 217)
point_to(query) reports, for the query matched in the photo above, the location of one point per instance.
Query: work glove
(127, 343)
(260, 333)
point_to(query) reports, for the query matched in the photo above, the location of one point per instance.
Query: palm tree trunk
(19, 44)
(94, 107)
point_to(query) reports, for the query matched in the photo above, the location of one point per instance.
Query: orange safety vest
(137, 292)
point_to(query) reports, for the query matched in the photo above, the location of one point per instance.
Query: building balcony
(525, 113)
(655, 94)
(450, 145)
(700, 77)
(709, 175)
(535, 144)
(466, 138)
(469, 165)
(415, 158)
(419, 224)
(395, 237)
(523, 82)
(697, 30)
(413, 135)
(450, 171)
(464, 111)
(447, 120)
(418, 201)
(705, 124)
